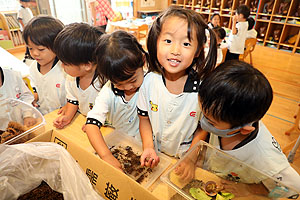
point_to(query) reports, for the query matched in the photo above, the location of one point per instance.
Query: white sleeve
(20, 14)
(26, 96)
(142, 100)
(69, 90)
(102, 104)
(288, 177)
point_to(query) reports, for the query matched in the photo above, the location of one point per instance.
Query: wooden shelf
(268, 24)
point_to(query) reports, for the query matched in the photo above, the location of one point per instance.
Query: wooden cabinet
(12, 36)
(276, 21)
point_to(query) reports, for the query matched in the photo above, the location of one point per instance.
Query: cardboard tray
(117, 138)
(15, 110)
(236, 177)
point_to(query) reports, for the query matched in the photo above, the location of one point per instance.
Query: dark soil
(43, 191)
(130, 162)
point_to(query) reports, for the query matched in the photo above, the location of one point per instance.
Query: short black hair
(42, 31)
(244, 10)
(251, 23)
(213, 15)
(221, 33)
(25, 0)
(76, 43)
(235, 93)
(118, 55)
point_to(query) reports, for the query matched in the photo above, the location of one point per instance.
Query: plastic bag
(24, 166)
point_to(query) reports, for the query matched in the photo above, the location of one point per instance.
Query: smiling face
(131, 85)
(175, 52)
(41, 54)
(216, 20)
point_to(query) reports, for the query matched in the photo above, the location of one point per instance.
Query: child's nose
(175, 49)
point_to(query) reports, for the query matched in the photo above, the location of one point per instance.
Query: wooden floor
(283, 71)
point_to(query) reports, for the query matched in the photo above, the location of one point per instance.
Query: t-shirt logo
(276, 144)
(58, 85)
(193, 114)
(18, 90)
(154, 107)
(91, 105)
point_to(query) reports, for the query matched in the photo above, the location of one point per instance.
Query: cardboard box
(227, 172)
(13, 112)
(108, 181)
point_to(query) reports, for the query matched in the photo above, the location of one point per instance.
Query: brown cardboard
(111, 183)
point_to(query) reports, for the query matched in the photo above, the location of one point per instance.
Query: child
(74, 46)
(220, 33)
(24, 16)
(215, 20)
(237, 38)
(120, 59)
(251, 33)
(167, 104)
(24, 13)
(233, 99)
(13, 86)
(46, 75)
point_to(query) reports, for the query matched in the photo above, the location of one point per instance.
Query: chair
(296, 143)
(142, 32)
(249, 47)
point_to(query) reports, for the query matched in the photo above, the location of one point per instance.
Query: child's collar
(192, 84)
(248, 139)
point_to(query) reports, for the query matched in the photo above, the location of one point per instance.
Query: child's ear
(247, 129)
(88, 66)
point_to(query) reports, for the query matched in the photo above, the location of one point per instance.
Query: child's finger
(59, 111)
(154, 162)
(142, 160)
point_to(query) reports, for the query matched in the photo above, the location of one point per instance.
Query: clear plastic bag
(24, 166)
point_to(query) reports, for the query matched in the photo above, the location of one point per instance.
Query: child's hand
(29, 121)
(34, 103)
(149, 158)
(186, 170)
(62, 110)
(83, 128)
(110, 159)
(61, 121)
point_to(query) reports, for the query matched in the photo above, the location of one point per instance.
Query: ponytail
(210, 60)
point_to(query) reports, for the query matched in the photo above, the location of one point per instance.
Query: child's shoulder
(243, 25)
(11, 73)
(152, 75)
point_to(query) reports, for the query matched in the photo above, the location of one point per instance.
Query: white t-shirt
(236, 43)
(50, 87)
(174, 118)
(111, 108)
(13, 87)
(25, 14)
(85, 99)
(262, 153)
(251, 33)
